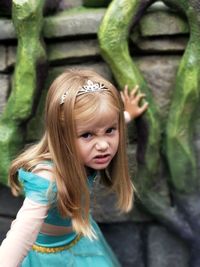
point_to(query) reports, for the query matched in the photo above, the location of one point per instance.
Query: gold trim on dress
(42, 249)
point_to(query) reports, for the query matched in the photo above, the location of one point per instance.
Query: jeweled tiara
(90, 87)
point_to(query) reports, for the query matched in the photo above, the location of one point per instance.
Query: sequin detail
(56, 249)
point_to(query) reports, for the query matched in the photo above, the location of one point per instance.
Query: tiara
(62, 100)
(90, 87)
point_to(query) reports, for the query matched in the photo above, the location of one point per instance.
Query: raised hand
(134, 102)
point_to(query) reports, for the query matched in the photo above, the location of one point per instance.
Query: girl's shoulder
(39, 183)
(44, 170)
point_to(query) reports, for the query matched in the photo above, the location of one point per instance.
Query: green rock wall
(30, 62)
(128, 42)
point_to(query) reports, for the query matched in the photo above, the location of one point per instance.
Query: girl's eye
(110, 130)
(86, 135)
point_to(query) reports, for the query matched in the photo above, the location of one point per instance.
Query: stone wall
(157, 45)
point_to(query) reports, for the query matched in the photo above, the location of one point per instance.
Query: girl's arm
(22, 234)
(133, 108)
(25, 228)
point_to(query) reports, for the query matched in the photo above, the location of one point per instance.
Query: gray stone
(5, 226)
(162, 22)
(9, 204)
(2, 58)
(159, 5)
(131, 150)
(102, 68)
(197, 142)
(165, 249)
(57, 52)
(126, 241)
(103, 206)
(72, 50)
(197, 154)
(7, 57)
(166, 44)
(11, 56)
(197, 139)
(4, 86)
(74, 22)
(66, 4)
(104, 210)
(7, 29)
(68, 23)
(160, 73)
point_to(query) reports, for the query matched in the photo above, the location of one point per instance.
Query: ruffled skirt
(80, 252)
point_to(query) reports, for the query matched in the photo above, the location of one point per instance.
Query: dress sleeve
(40, 192)
(23, 233)
(38, 188)
(127, 116)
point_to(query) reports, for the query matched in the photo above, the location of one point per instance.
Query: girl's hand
(132, 102)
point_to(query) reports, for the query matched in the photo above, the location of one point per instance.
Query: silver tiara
(62, 100)
(90, 87)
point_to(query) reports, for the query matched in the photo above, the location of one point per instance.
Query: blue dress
(70, 250)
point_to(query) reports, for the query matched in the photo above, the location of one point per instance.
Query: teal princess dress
(70, 250)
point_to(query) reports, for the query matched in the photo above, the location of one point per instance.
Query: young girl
(84, 135)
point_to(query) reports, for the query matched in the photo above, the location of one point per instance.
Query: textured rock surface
(72, 50)
(4, 86)
(126, 241)
(29, 75)
(157, 52)
(158, 23)
(165, 250)
(71, 23)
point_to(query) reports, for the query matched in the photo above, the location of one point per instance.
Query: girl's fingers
(144, 107)
(125, 88)
(126, 95)
(122, 96)
(134, 91)
(139, 97)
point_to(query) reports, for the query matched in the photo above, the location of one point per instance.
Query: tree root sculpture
(181, 217)
(30, 72)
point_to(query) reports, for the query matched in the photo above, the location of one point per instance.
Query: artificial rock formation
(171, 147)
(30, 72)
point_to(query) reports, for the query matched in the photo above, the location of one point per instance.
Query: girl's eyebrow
(88, 128)
(82, 130)
(115, 123)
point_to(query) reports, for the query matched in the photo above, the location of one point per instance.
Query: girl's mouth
(102, 159)
(101, 156)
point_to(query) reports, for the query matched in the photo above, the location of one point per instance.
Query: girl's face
(98, 139)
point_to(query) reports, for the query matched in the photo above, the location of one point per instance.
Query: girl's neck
(90, 171)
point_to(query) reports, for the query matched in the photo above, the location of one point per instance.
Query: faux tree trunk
(183, 215)
(29, 74)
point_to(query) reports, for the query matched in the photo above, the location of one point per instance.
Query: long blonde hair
(58, 145)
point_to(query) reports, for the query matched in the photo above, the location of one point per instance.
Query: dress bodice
(44, 191)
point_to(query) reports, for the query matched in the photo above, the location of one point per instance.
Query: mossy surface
(30, 63)
(175, 145)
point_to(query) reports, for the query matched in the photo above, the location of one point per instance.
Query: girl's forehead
(102, 118)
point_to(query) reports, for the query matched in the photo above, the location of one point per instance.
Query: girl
(84, 135)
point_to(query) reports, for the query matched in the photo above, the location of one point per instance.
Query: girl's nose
(102, 145)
